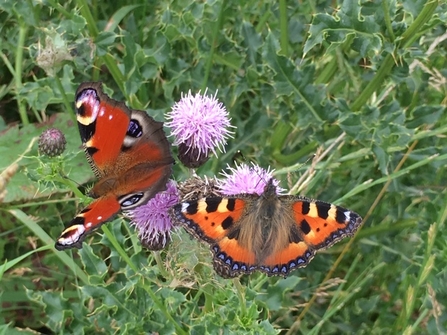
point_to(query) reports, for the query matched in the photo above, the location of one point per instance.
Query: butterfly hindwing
(89, 219)
(129, 153)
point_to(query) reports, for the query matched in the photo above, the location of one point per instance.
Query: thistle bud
(52, 142)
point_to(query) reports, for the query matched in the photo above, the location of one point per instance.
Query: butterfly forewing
(210, 219)
(98, 118)
(323, 224)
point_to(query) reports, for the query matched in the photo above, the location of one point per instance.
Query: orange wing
(316, 225)
(217, 222)
(322, 224)
(210, 218)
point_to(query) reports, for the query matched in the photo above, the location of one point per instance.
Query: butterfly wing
(322, 224)
(127, 150)
(102, 123)
(313, 225)
(219, 222)
(89, 219)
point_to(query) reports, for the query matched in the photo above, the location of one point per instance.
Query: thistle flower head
(199, 124)
(152, 220)
(51, 142)
(247, 179)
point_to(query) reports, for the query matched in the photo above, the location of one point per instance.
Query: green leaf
(93, 264)
(103, 42)
(289, 80)
(348, 25)
(252, 40)
(118, 16)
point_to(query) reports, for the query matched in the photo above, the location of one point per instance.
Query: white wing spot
(79, 230)
(348, 215)
(185, 206)
(96, 111)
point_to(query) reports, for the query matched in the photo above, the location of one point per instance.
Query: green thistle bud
(52, 142)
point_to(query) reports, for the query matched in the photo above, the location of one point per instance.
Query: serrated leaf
(103, 41)
(289, 80)
(347, 23)
(425, 115)
(93, 264)
(233, 60)
(252, 40)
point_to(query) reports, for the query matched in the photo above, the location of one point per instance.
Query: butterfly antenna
(238, 157)
(72, 181)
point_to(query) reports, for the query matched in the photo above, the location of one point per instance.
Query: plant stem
(216, 30)
(18, 72)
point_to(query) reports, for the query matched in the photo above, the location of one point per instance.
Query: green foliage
(360, 84)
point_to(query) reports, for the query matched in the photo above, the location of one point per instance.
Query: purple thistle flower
(152, 219)
(199, 124)
(247, 179)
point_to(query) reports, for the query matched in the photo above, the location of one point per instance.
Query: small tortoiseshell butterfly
(270, 233)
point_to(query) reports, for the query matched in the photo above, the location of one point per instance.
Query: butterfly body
(270, 233)
(129, 154)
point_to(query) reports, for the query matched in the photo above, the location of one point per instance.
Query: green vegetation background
(360, 84)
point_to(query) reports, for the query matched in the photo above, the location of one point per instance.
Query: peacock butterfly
(129, 154)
